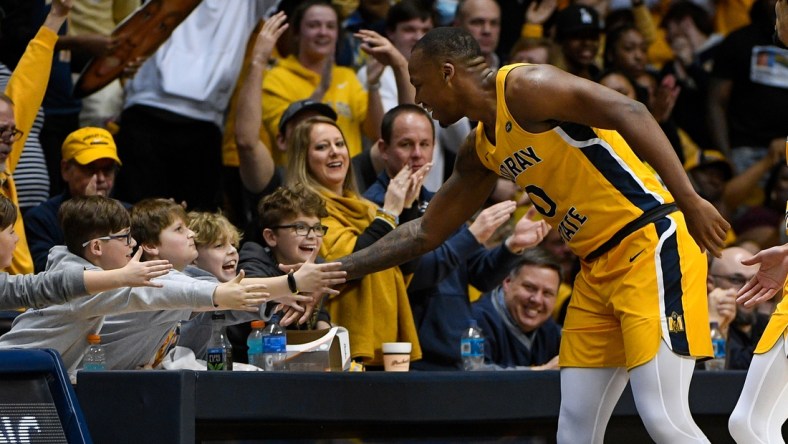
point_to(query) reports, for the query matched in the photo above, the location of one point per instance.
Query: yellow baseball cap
(88, 144)
(706, 158)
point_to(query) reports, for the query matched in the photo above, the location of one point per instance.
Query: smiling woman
(311, 73)
(375, 308)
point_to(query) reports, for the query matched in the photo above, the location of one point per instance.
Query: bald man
(728, 275)
(482, 19)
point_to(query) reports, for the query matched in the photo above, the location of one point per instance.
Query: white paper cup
(396, 356)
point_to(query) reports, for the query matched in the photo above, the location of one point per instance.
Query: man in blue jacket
(516, 318)
(438, 291)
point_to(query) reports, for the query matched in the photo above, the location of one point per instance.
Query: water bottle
(718, 344)
(94, 359)
(220, 352)
(274, 345)
(255, 344)
(472, 347)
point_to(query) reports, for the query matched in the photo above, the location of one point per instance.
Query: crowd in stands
(265, 134)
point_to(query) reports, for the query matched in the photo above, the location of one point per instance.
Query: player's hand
(770, 278)
(490, 219)
(706, 225)
(528, 232)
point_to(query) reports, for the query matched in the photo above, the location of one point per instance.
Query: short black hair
(387, 126)
(448, 42)
(699, 16)
(405, 11)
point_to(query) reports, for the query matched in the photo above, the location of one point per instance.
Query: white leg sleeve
(661, 391)
(763, 405)
(588, 396)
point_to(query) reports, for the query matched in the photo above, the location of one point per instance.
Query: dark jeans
(171, 156)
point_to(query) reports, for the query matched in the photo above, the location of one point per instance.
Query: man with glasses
(18, 109)
(88, 166)
(727, 275)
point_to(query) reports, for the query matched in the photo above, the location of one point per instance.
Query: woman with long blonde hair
(375, 308)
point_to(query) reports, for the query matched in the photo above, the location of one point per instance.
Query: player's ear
(448, 71)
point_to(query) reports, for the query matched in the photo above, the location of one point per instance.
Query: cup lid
(397, 347)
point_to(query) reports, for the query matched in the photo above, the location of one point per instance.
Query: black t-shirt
(757, 110)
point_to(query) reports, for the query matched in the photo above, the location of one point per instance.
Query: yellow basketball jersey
(586, 182)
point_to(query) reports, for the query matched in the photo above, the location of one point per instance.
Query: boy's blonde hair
(211, 228)
(150, 217)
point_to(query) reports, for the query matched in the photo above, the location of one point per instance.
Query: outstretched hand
(490, 219)
(528, 232)
(769, 279)
(312, 277)
(233, 295)
(706, 225)
(140, 274)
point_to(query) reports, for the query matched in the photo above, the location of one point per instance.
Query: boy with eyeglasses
(143, 339)
(292, 232)
(98, 236)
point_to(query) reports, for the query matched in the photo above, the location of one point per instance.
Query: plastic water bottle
(94, 359)
(472, 347)
(220, 352)
(274, 345)
(718, 344)
(255, 344)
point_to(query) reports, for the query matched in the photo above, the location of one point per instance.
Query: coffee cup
(396, 356)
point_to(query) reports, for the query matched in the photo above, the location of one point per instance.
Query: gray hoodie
(196, 332)
(40, 290)
(65, 327)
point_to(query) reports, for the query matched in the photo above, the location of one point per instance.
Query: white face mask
(445, 10)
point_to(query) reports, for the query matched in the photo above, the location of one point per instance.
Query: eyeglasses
(304, 229)
(736, 280)
(126, 236)
(10, 134)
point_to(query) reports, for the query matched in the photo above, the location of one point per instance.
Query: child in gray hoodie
(98, 236)
(56, 287)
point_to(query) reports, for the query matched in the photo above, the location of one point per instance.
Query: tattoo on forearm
(399, 246)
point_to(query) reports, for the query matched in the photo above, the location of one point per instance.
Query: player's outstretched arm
(769, 279)
(455, 202)
(542, 93)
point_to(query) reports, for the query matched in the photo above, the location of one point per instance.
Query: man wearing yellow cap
(89, 155)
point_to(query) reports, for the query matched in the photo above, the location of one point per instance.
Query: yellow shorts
(778, 326)
(650, 287)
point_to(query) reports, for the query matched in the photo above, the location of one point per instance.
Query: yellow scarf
(375, 309)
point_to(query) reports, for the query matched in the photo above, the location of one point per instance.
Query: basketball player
(638, 309)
